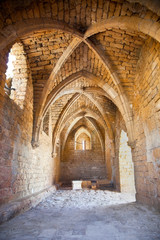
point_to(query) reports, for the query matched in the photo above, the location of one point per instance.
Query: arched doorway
(126, 167)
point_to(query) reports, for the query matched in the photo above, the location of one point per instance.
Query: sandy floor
(84, 214)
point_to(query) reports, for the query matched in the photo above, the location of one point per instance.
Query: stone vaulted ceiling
(85, 58)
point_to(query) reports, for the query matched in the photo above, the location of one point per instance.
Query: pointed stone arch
(89, 114)
(69, 105)
(113, 95)
(150, 27)
(83, 130)
(146, 26)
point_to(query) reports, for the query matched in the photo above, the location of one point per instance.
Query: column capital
(35, 144)
(54, 154)
(132, 144)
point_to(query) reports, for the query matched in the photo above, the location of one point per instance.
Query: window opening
(83, 145)
(10, 66)
(82, 140)
(9, 73)
(126, 167)
(17, 74)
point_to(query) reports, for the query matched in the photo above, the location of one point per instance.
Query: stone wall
(23, 170)
(83, 164)
(147, 124)
(124, 167)
(105, 43)
(83, 142)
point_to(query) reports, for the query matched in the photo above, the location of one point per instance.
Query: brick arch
(105, 61)
(83, 130)
(94, 124)
(59, 122)
(104, 86)
(87, 113)
(108, 66)
(106, 89)
(95, 120)
(134, 23)
(86, 93)
(146, 26)
(77, 115)
(10, 34)
(66, 109)
(56, 92)
(47, 23)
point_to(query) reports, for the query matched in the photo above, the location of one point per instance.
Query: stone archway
(102, 64)
(126, 167)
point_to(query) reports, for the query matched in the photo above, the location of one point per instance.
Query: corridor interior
(80, 102)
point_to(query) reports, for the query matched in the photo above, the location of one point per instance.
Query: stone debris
(89, 65)
(84, 215)
(85, 199)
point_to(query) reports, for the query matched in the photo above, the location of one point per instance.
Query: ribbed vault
(83, 64)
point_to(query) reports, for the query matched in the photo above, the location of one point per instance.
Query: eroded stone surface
(85, 214)
(97, 60)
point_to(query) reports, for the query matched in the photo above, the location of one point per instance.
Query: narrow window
(9, 72)
(83, 145)
(10, 66)
(17, 75)
(82, 141)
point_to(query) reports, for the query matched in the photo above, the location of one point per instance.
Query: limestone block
(76, 185)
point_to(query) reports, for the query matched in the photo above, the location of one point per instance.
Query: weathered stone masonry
(86, 63)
